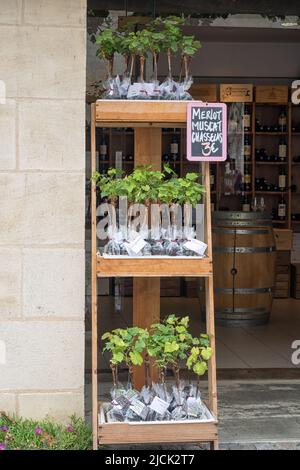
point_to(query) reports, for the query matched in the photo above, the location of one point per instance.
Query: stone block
(55, 12)
(9, 63)
(10, 282)
(10, 11)
(53, 283)
(8, 403)
(54, 405)
(52, 63)
(42, 208)
(8, 135)
(42, 355)
(52, 135)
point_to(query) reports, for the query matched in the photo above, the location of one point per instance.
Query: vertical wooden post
(94, 285)
(209, 296)
(146, 291)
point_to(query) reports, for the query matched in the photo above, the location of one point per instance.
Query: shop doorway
(235, 55)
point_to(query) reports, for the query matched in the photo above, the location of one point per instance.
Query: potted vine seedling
(167, 344)
(171, 37)
(143, 187)
(155, 43)
(188, 46)
(108, 42)
(198, 356)
(125, 346)
(111, 185)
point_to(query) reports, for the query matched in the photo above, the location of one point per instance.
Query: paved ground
(254, 415)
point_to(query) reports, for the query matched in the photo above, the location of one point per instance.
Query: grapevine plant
(169, 344)
(145, 185)
(162, 35)
(125, 345)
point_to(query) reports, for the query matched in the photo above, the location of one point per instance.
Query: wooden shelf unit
(147, 119)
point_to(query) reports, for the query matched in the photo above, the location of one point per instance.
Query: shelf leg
(214, 445)
(212, 376)
(94, 286)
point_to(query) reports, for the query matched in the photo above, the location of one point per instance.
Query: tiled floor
(266, 346)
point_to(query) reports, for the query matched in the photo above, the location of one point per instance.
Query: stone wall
(42, 179)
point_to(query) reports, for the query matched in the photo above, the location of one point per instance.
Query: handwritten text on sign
(206, 131)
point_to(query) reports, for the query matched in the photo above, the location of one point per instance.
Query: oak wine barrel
(244, 257)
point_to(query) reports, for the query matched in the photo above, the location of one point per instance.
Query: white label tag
(139, 408)
(134, 90)
(148, 87)
(282, 151)
(134, 247)
(144, 89)
(131, 394)
(196, 245)
(159, 405)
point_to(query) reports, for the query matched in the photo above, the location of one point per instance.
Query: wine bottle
(282, 209)
(246, 206)
(174, 149)
(212, 179)
(103, 150)
(282, 179)
(247, 149)
(247, 178)
(247, 119)
(282, 149)
(282, 120)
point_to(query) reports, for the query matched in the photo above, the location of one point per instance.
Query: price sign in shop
(206, 131)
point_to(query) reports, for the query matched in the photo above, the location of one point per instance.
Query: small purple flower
(2, 446)
(4, 428)
(69, 428)
(38, 431)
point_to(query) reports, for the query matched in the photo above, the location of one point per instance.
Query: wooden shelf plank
(157, 267)
(135, 112)
(158, 432)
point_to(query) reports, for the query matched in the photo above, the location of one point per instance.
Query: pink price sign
(206, 131)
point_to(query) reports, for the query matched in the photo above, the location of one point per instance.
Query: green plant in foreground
(199, 354)
(125, 345)
(168, 344)
(24, 434)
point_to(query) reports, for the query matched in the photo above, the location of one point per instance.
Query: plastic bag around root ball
(169, 89)
(182, 90)
(112, 247)
(111, 89)
(186, 251)
(146, 395)
(174, 248)
(157, 248)
(115, 415)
